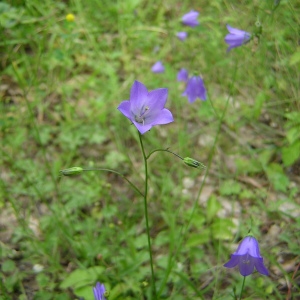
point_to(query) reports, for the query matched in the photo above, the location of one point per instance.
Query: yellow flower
(70, 17)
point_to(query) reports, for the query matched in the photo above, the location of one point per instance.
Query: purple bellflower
(236, 37)
(99, 291)
(182, 35)
(146, 109)
(158, 67)
(247, 256)
(182, 75)
(190, 19)
(195, 89)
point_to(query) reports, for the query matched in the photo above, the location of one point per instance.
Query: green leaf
(43, 280)
(62, 297)
(291, 153)
(277, 177)
(295, 59)
(258, 105)
(213, 207)
(269, 289)
(8, 266)
(85, 292)
(42, 295)
(198, 239)
(222, 229)
(80, 278)
(245, 166)
(265, 156)
(230, 187)
(293, 134)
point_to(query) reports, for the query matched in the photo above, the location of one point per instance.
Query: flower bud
(193, 163)
(258, 28)
(144, 283)
(71, 171)
(70, 17)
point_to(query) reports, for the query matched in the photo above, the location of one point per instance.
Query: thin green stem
(242, 289)
(146, 217)
(163, 150)
(118, 173)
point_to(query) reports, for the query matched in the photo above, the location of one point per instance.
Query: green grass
(61, 84)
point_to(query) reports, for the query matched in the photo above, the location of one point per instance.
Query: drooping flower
(247, 256)
(146, 109)
(99, 291)
(195, 89)
(182, 75)
(182, 35)
(190, 19)
(158, 67)
(236, 37)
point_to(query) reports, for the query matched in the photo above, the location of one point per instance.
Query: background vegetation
(61, 83)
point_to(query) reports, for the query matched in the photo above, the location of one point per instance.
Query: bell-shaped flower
(182, 75)
(99, 291)
(190, 19)
(236, 37)
(247, 256)
(146, 109)
(158, 67)
(182, 35)
(195, 89)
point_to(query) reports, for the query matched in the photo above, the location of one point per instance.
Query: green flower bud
(106, 294)
(258, 28)
(193, 163)
(71, 171)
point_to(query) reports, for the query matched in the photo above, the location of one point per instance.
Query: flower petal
(231, 38)
(234, 260)
(190, 19)
(195, 88)
(158, 67)
(99, 291)
(142, 128)
(182, 35)
(260, 267)
(138, 97)
(124, 108)
(182, 75)
(236, 37)
(156, 100)
(164, 117)
(246, 265)
(234, 31)
(248, 245)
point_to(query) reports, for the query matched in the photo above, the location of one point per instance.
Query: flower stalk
(147, 218)
(242, 289)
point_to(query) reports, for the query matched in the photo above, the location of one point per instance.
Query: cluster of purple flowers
(189, 19)
(194, 85)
